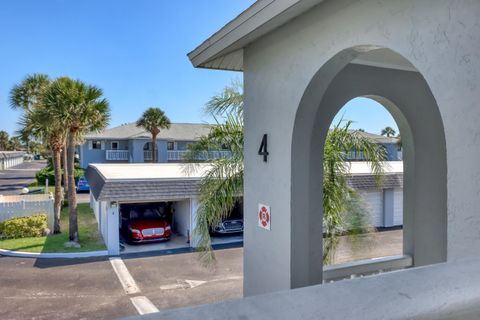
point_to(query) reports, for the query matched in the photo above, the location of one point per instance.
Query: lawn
(90, 238)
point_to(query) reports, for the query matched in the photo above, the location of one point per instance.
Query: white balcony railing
(117, 155)
(202, 156)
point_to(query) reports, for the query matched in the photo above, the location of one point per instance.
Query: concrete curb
(69, 255)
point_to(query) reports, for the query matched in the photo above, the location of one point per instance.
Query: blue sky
(134, 50)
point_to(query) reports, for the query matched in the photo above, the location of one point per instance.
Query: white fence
(26, 205)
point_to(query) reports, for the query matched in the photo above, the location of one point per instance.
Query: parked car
(229, 225)
(148, 225)
(82, 184)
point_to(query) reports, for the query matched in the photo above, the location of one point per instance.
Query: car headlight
(134, 230)
(168, 228)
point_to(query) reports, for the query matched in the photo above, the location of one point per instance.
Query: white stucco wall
(181, 217)
(440, 38)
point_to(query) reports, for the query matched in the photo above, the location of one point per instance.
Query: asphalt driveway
(61, 289)
(14, 179)
(91, 289)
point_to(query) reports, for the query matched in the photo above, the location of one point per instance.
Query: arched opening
(385, 76)
(363, 187)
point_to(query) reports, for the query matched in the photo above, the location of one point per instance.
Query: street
(14, 179)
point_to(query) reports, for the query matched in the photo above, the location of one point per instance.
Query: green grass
(35, 185)
(90, 239)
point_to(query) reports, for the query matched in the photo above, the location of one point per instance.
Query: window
(114, 145)
(96, 145)
(170, 145)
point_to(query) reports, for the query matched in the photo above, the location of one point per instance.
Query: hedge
(24, 227)
(48, 173)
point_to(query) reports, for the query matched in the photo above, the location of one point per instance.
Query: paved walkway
(14, 179)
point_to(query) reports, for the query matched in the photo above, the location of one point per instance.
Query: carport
(116, 186)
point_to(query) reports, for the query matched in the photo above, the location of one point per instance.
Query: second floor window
(96, 145)
(170, 145)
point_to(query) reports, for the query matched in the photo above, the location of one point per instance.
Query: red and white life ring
(264, 216)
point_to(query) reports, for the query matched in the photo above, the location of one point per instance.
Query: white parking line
(143, 305)
(124, 276)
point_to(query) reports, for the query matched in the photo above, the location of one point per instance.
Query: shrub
(47, 173)
(24, 227)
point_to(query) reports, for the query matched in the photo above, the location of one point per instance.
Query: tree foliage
(153, 120)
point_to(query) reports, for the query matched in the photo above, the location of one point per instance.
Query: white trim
(67, 255)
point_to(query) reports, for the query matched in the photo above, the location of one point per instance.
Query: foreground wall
(278, 71)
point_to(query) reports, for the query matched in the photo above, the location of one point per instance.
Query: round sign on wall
(264, 216)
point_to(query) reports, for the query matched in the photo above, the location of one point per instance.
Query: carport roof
(144, 182)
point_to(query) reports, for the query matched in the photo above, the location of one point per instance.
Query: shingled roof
(173, 181)
(177, 132)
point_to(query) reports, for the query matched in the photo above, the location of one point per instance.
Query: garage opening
(153, 226)
(363, 184)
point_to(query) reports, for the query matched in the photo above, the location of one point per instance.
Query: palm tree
(14, 144)
(340, 202)
(4, 138)
(79, 108)
(37, 121)
(28, 93)
(153, 120)
(41, 123)
(388, 132)
(223, 184)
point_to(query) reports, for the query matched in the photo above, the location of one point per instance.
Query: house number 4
(263, 151)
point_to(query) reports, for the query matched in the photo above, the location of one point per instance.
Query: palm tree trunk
(72, 196)
(154, 148)
(65, 180)
(57, 166)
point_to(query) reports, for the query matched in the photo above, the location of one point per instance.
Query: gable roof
(223, 50)
(177, 131)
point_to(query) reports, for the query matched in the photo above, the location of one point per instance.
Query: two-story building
(392, 146)
(128, 143)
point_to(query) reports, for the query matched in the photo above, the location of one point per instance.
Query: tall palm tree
(27, 93)
(388, 132)
(80, 108)
(153, 120)
(42, 124)
(4, 138)
(223, 184)
(37, 121)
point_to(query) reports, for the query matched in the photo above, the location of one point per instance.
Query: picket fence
(26, 205)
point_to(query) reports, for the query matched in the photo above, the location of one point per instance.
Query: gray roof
(169, 182)
(11, 154)
(144, 182)
(177, 131)
(367, 181)
(379, 138)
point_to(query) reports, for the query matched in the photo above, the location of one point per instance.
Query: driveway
(91, 289)
(60, 289)
(109, 289)
(14, 179)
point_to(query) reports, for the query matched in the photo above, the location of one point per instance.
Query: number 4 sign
(264, 216)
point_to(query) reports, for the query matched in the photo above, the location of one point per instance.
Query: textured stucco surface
(440, 38)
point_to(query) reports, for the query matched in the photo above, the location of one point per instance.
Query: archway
(403, 91)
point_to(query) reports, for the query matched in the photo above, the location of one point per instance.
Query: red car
(148, 226)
